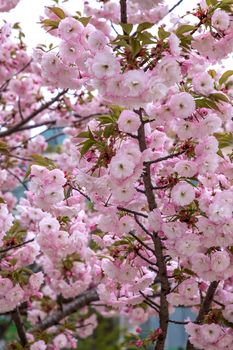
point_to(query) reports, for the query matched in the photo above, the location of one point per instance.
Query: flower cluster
(132, 212)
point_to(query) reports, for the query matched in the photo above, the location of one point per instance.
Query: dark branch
(123, 6)
(32, 115)
(5, 250)
(178, 322)
(169, 156)
(20, 327)
(67, 309)
(141, 242)
(130, 211)
(158, 247)
(176, 5)
(205, 307)
(18, 179)
(5, 84)
(142, 226)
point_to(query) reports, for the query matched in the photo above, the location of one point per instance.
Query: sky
(27, 13)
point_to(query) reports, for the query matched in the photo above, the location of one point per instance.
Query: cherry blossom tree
(132, 214)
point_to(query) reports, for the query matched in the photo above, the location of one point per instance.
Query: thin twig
(149, 299)
(130, 211)
(4, 85)
(142, 226)
(32, 115)
(178, 322)
(81, 192)
(169, 156)
(141, 242)
(176, 5)
(82, 300)
(20, 109)
(5, 250)
(18, 178)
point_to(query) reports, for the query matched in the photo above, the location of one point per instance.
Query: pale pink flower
(174, 44)
(183, 193)
(182, 105)
(122, 167)
(203, 83)
(104, 65)
(169, 70)
(220, 20)
(128, 121)
(210, 332)
(70, 29)
(39, 345)
(186, 168)
(228, 313)
(220, 261)
(97, 40)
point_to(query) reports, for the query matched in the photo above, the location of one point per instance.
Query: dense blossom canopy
(132, 214)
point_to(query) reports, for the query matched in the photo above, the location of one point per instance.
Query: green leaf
(219, 97)
(189, 272)
(50, 23)
(185, 28)
(227, 2)
(106, 119)
(211, 2)
(136, 46)
(43, 161)
(162, 33)
(205, 103)
(86, 135)
(83, 135)
(144, 26)
(145, 38)
(225, 139)
(121, 242)
(212, 73)
(116, 111)
(58, 12)
(2, 200)
(109, 130)
(86, 146)
(127, 27)
(225, 76)
(84, 20)
(17, 232)
(3, 147)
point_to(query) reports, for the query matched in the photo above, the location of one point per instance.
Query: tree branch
(176, 5)
(130, 211)
(141, 242)
(32, 115)
(123, 7)
(205, 307)
(67, 309)
(5, 84)
(20, 327)
(169, 156)
(5, 250)
(161, 263)
(18, 179)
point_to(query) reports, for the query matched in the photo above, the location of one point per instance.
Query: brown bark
(23, 122)
(67, 309)
(20, 327)
(123, 7)
(205, 308)
(158, 247)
